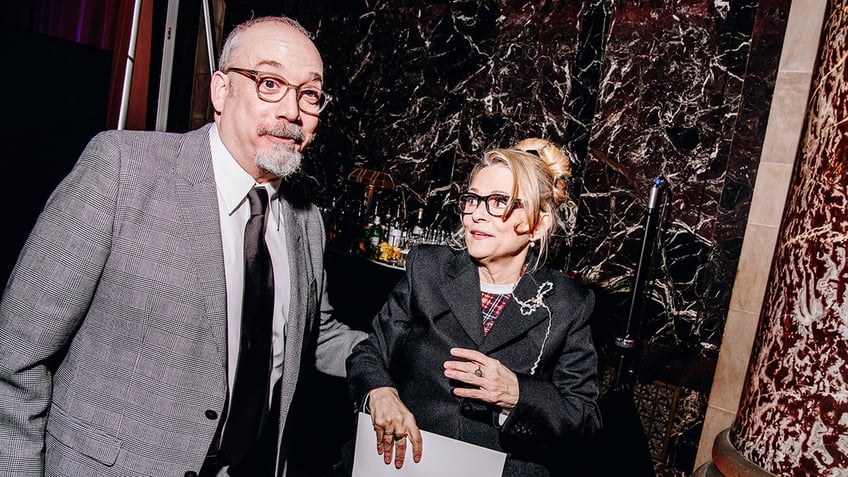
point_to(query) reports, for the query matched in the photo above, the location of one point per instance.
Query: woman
(481, 341)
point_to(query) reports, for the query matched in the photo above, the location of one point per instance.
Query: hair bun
(553, 156)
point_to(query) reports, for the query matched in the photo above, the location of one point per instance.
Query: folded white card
(441, 457)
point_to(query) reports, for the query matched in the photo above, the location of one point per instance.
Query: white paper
(441, 457)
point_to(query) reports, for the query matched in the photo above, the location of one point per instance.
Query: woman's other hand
(494, 383)
(394, 425)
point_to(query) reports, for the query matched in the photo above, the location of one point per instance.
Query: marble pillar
(793, 412)
(799, 370)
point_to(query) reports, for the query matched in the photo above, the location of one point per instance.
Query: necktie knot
(258, 199)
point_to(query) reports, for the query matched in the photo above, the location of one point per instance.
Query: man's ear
(218, 90)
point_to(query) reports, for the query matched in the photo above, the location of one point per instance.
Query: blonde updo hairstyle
(540, 172)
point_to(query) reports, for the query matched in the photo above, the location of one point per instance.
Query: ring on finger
(399, 437)
(479, 371)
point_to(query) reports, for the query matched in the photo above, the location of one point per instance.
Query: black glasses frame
(468, 202)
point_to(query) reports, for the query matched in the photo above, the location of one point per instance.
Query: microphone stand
(629, 344)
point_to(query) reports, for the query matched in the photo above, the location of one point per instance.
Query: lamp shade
(370, 177)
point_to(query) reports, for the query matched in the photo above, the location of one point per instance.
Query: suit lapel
(300, 284)
(197, 196)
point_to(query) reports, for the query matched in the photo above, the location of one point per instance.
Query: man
(120, 326)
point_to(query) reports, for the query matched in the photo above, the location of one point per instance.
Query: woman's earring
(532, 243)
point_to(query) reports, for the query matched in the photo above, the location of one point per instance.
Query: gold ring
(478, 372)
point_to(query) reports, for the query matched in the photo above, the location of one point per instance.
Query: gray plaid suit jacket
(113, 322)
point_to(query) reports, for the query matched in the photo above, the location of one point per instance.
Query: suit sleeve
(335, 339)
(47, 296)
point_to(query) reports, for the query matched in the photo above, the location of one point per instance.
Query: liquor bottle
(416, 226)
(341, 232)
(356, 229)
(375, 236)
(386, 222)
(395, 230)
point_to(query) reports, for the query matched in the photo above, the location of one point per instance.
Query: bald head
(235, 40)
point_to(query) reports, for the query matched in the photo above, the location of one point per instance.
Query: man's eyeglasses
(496, 204)
(273, 88)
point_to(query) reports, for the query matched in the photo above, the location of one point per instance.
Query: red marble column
(793, 413)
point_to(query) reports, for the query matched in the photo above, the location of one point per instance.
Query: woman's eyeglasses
(496, 204)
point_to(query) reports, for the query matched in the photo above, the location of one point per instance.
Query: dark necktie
(250, 390)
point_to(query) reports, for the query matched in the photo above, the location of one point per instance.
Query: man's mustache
(287, 131)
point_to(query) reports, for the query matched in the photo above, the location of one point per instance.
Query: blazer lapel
(464, 282)
(512, 323)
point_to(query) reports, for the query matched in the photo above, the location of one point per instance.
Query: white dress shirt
(233, 184)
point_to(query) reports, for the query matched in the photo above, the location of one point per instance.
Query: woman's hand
(394, 425)
(495, 383)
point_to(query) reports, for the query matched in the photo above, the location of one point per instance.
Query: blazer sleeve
(369, 365)
(47, 295)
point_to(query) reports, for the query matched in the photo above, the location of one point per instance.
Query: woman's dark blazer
(436, 307)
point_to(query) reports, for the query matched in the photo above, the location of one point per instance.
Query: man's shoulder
(152, 153)
(129, 136)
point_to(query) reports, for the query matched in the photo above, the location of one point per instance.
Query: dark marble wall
(798, 375)
(636, 89)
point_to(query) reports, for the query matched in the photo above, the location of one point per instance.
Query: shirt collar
(233, 182)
